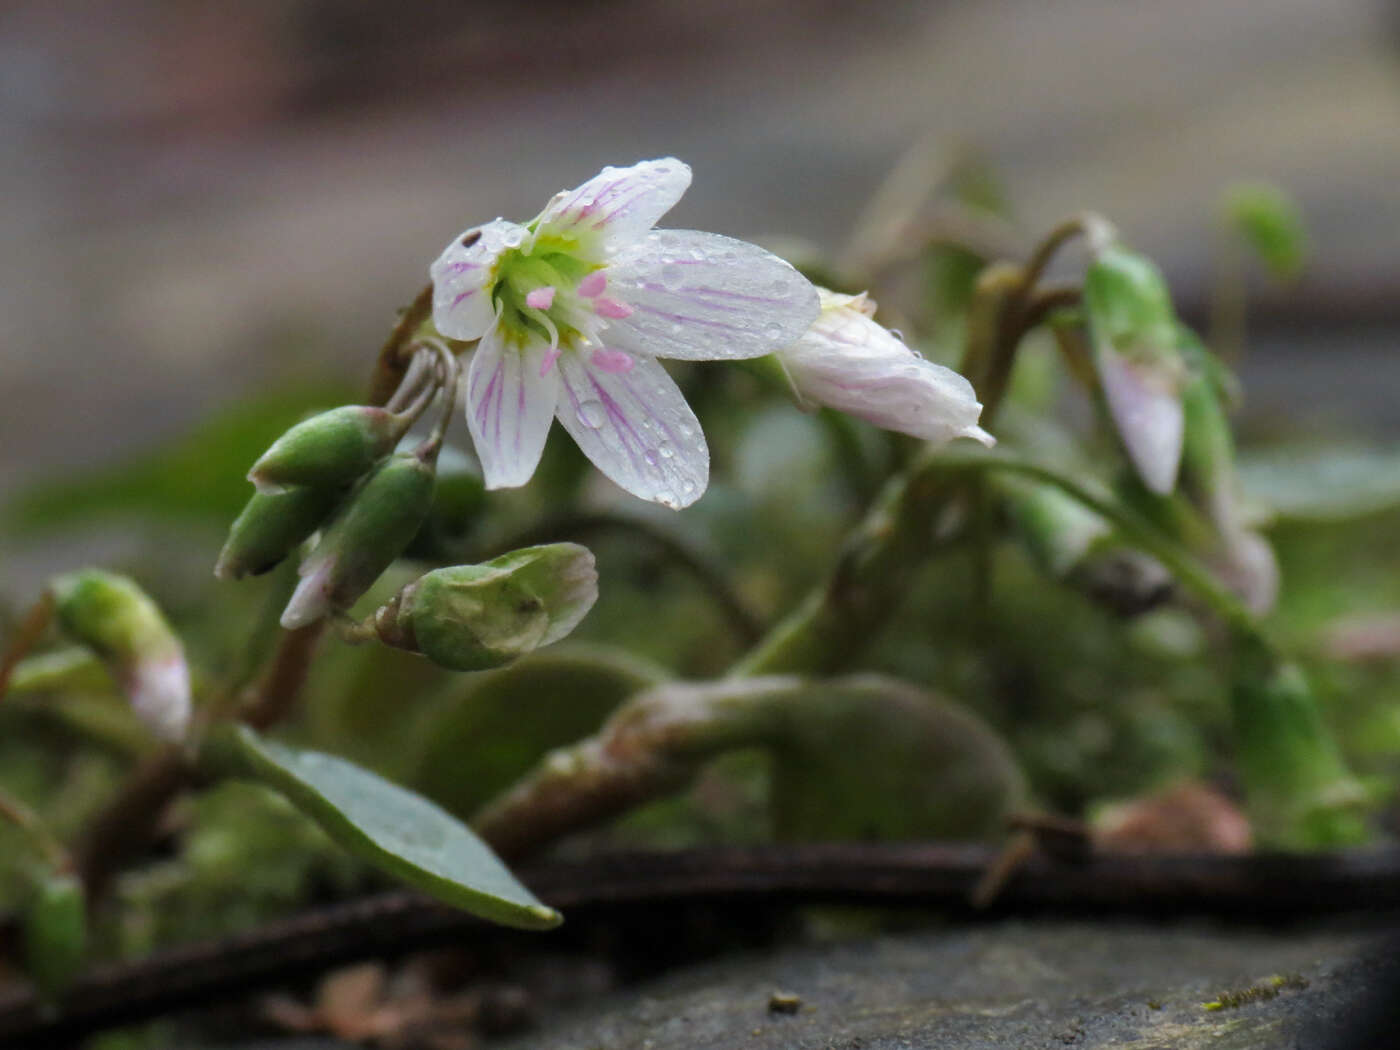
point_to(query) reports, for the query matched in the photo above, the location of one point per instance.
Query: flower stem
(29, 632)
(40, 838)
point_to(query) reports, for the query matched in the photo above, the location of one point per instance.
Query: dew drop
(592, 414)
(667, 452)
(650, 457)
(676, 327)
(513, 239)
(686, 430)
(773, 330)
(687, 487)
(780, 286)
(897, 334)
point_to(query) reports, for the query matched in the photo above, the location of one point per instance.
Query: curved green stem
(1134, 528)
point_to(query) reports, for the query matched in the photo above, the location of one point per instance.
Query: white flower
(849, 362)
(573, 309)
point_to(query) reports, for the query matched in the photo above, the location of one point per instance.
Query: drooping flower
(1132, 323)
(572, 310)
(852, 363)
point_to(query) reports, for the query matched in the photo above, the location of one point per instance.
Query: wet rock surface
(1012, 984)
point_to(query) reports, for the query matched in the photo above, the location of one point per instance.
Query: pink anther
(615, 361)
(593, 284)
(605, 307)
(540, 298)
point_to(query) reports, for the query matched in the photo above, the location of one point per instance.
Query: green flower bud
(472, 617)
(55, 933)
(372, 528)
(329, 450)
(1070, 542)
(1130, 317)
(1299, 791)
(112, 616)
(271, 526)
(1271, 224)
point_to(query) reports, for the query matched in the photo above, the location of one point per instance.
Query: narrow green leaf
(391, 827)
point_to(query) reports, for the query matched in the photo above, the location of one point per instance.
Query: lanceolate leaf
(391, 827)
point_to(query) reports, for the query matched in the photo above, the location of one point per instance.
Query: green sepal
(271, 526)
(329, 450)
(474, 617)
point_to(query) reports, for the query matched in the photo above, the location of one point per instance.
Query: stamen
(606, 307)
(541, 298)
(543, 318)
(593, 284)
(550, 356)
(618, 362)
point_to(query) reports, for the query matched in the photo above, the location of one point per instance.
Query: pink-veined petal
(851, 363)
(703, 297)
(462, 276)
(510, 405)
(636, 428)
(618, 204)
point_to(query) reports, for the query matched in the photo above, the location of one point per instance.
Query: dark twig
(919, 875)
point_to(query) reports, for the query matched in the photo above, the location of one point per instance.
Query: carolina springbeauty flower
(849, 362)
(572, 310)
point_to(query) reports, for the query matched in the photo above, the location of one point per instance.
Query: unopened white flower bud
(851, 363)
(117, 620)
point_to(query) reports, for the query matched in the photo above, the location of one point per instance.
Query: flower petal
(1145, 403)
(636, 428)
(620, 204)
(510, 405)
(462, 276)
(853, 364)
(703, 297)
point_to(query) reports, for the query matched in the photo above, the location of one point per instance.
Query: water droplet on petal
(514, 238)
(687, 487)
(773, 330)
(592, 414)
(667, 452)
(686, 430)
(650, 457)
(780, 286)
(897, 334)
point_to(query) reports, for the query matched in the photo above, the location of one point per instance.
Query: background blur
(201, 200)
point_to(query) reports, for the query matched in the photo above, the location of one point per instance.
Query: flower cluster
(572, 310)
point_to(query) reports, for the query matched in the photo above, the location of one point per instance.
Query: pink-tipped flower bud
(271, 526)
(472, 617)
(371, 529)
(1133, 328)
(112, 616)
